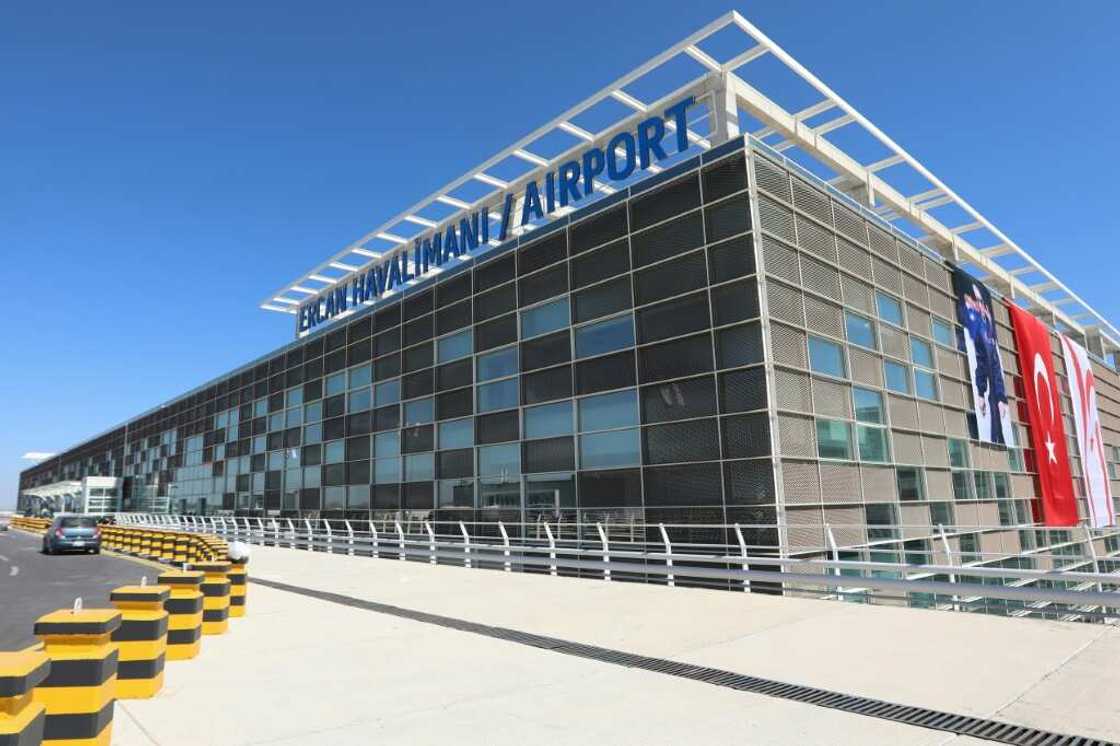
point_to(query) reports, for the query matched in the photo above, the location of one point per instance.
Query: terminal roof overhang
(746, 84)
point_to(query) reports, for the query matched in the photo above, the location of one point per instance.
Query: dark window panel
(455, 464)
(334, 475)
(453, 317)
(313, 368)
(387, 367)
(739, 345)
(695, 440)
(334, 361)
(260, 426)
(453, 290)
(495, 333)
(417, 439)
(334, 406)
(309, 498)
(673, 318)
(679, 400)
(546, 385)
(668, 239)
(685, 273)
(454, 404)
(420, 356)
(359, 424)
(276, 383)
(604, 373)
(548, 250)
(387, 342)
(313, 349)
(600, 264)
(293, 377)
(617, 488)
(597, 229)
(727, 218)
(276, 402)
(294, 357)
(387, 318)
(334, 429)
(746, 435)
(335, 339)
(456, 374)
(725, 177)
(663, 202)
(418, 304)
(419, 330)
(360, 329)
(359, 352)
(742, 390)
(387, 497)
(548, 350)
(260, 388)
(498, 427)
(291, 437)
(750, 482)
(418, 496)
(551, 454)
(275, 441)
(416, 384)
(545, 284)
(602, 300)
(694, 484)
(676, 359)
(736, 301)
(357, 449)
(357, 472)
(498, 301)
(493, 273)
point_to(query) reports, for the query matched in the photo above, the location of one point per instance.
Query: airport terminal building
(696, 311)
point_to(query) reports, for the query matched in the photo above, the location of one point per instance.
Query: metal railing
(1072, 585)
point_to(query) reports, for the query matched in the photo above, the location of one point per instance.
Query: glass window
(260, 408)
(873, 444)
(958, 453)
(943, 333)
(334, 452)
(360, 376)
(1002, 484)
(615, 448)
(869, 406)
(295, 396)
(834, 439)
(276, 421)
(276, 461)
(388, 392)
(897, 376)
(910, 483)
(387, 470)
(336, 384)
(419, 411)
(503, 460)
(497, 364)
(861, 331)
(313, 433)
(359, 400)
(605, 336)
(941, 514)
(313, 412)
(983, 485)
(619, 409)
(543, 319)
(890, 309)
(311, 476)
(500, 395)
(548, 420)
(921, 353)
(826, 357)
(454, 347)
(456, 434)
(962, 485)
(293, 417)
(882, 521)
(925, 384)
(387, 444)
(419, 467)
(1015, 461)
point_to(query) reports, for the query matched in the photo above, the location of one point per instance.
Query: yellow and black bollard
(182, 556)
(21, 717)
(141, 640)
(145, 550)
(78, 691)
(184, 607)
(216, 596)
(238, 588)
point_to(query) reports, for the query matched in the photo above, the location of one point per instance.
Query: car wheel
(46, 549)
(96, 551)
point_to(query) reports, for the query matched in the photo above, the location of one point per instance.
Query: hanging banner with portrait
(991, 415)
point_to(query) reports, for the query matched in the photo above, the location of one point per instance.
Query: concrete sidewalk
(301, 670)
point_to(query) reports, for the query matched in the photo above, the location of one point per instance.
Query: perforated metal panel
(853, 258)
(858, 295)
(665, 201)
(785, 303)
(939, 484)
(601, 300)
(930, 418)
(681, 275)
(605, 373)
(907, 448)
(678, 400)
(749, 482)
(942, 304)
(551, 454)
(736, 301)
(739, 345)
(693, 484)
(820, 277)
(597, 229)
(742, 390)
(895, 343)
(792, 390)
(731, 258)
(788, 346)
(816, 240)
(797, 436)
(849, 223)
(824, 318)
(542, 285)
(612, 259)
(746, 435)
(546, 385)
(495, 302)
(781, 260)
(840, 483)
(846, 524)
(915, 290)
(694, 440)
(676, 359)
(776, 219)
(867, 367)
(918, 320)
(806, 529)
(886, 275)
(882, 243)
(812, 201)
(667, 239)
(832, 399)
(956, 424)
(801, 482)
(772, 179)
(911, 259)
(903, 412)
(673, 318)
(879, 484)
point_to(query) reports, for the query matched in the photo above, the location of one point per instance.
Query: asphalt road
(33, 584)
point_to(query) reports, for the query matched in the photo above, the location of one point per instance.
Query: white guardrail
(1077, 589)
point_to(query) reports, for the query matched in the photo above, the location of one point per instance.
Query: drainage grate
(965, 725)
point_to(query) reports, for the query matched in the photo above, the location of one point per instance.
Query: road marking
(14, 571)
(4, 559)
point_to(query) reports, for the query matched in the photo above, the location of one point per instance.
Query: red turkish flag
(1048, 433)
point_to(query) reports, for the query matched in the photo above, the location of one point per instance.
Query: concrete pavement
(302, 670)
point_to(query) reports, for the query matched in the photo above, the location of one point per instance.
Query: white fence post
(743, 552)
(466, 545)
(349, 538)
(949, 561)
(606, 551)
(835, 553)
(307, 525)
(400, 538)
(668, 554)
(330, 537)
(260, 528)
(373, 536)
(1093, 555)
(551, 549)
(431, 543)
(291, 534)
(505, 542)
(275, 532)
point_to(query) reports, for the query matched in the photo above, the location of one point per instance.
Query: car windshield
(76, 522)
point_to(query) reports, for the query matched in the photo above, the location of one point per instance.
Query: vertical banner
(989, 397)
(1090, 443)
(1048, 434)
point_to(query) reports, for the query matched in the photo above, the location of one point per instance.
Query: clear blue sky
(162, 167)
